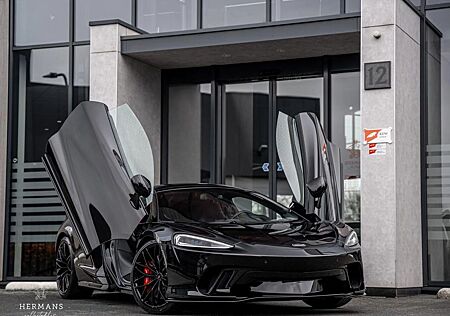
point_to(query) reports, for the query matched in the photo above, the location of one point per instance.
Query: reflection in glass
(293, 97)
(352, 6)
(189, 133)
(80, 74)
(438, 145)
(156, 16)
(95, 10)
(233, 12)
(41, 22)
(40, 107)
(247, 136)
(430, 2)
(135, 147)
(346, 134)
(296, 9)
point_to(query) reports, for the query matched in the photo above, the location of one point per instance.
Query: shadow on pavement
(266, 308)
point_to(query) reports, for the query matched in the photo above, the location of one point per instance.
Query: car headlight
(191, 241)
(352, 239)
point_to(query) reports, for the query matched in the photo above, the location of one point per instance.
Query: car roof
(182, 186)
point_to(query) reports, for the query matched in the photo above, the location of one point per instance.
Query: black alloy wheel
(66, 278)
(149, 281)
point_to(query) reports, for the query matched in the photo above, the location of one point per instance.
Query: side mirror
(142, 189)
(142, 186)
(300, 210)
(317, 188)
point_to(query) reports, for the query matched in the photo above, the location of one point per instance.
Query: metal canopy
(254, 43)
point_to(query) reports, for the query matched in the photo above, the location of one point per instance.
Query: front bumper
(228, 276)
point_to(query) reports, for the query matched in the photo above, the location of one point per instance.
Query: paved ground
(121, 304)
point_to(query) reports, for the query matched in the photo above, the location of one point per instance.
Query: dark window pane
(346, 133)
(438, 145)
(189, 133)
(429, 2)
(295, 9)
(95, 10)
(80, 74)
(352, 6)
(155, 16)
(247, 136)
(233, 12)
(39, 109)
(45, 92)
(293, 97)
(41, 22)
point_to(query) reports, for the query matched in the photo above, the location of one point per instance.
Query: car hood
(298, 233)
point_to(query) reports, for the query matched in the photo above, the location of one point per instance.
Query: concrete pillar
(390, 184)
(116, 79)
(4, 81)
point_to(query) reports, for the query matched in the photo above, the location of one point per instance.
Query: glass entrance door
(295, 96)
(246, 135)
(346, 133)
(228, 136)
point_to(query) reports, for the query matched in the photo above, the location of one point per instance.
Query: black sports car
(197, 242)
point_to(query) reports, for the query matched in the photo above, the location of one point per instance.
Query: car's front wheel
(327, 302)
(149, 281)
(66, 277)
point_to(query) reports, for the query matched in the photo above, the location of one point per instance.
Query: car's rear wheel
(327, 302)
(149, 280)
(66, 277)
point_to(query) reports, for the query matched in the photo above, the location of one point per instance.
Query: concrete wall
(4, 62)
(390, 185)
(117, 79)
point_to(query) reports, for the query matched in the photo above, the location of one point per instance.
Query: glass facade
(41, 22)
(156, 16)
(438, 145)
(40, 96)
(293, 97)
(295, 9)
(96, 10)
(80, 74)
(346, 133)
(233, 12)
(431, 2)
(352, 6)
(247, 135)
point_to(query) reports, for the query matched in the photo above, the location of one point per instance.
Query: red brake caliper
(147, 279)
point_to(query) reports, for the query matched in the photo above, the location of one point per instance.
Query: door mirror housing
(142, 186)
(317, 187)
(142, 190)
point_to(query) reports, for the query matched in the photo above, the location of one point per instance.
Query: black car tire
(327, 302)
(66, 277)
(149, 279)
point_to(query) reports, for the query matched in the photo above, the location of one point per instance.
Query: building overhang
(255, 43)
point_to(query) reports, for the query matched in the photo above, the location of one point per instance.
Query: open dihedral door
(306, 154)
(91, 161)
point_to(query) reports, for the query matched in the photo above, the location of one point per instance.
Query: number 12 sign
(377, 75)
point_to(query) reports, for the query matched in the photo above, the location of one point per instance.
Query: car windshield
(220, 206)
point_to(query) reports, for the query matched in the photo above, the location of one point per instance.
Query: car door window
(136, 150)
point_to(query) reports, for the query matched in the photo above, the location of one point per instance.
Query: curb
(30, 286)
